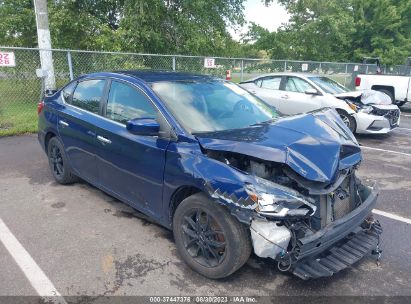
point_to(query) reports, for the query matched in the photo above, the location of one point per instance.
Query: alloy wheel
(56, 160)
(346, 120)
(203, 238)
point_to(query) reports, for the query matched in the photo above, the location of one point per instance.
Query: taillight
(357, 81)
(40, 107)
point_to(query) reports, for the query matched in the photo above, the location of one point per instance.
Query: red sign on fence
(7, 59)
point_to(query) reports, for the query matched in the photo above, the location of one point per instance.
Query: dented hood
(315, 145)
(367, 97)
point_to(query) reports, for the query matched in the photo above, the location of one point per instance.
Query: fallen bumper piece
(341, 256)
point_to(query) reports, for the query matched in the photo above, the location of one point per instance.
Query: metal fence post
(242, 69)
(70, 65)
(285, 65)
(174, 63)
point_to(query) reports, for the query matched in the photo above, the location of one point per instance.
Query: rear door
(294, 100)
(76, 125)
(130, 166)
(268, 89)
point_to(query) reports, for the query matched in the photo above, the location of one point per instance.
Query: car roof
(149, 76)
(155, 76)
(283, 74)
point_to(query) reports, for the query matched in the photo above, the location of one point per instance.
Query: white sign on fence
(209, 63)
(304, 67)
(7, 59)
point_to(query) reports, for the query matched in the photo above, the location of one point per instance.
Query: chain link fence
(21, 89)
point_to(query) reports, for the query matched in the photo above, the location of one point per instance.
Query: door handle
(285, 97)
(103, 140)
(63, 123)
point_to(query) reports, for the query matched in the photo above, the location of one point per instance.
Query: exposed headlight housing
(366, 109)
(274, 200)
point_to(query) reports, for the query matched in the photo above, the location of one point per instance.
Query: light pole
(44, 42)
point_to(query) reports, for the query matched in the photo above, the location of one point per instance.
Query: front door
(131, 166)
(294, 100)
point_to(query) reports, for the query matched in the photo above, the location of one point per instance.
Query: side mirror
(50, 92)
(311, 92)
(143, 126)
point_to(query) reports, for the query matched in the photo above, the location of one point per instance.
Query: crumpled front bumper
(373, 124)
(340, 244)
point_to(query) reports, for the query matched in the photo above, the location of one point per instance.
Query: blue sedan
(221, 168)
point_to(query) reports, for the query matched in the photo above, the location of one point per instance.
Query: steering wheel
(243, 106)
(224, 114)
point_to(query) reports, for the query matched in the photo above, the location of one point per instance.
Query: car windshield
(328, 85)
(212, 105)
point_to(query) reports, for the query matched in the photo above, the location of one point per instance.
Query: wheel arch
(49, 135)
(390, 89)
(354, 118)
(179, 195)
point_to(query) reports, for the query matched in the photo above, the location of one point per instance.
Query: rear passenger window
(87, 95)
(125, 103)
(271, 83)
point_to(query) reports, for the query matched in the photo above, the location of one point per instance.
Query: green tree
(317, 30)
(17, 23)
(340, 30)
(85, 24)
(151, 26)
(383, 29)
(180, 26)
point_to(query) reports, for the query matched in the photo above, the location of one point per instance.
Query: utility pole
(44, 41)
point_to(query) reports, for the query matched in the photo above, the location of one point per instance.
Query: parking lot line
(383, 150)
(37, 278)
(392, 216)
(405, 129)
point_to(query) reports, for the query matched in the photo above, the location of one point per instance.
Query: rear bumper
(41, 136)
(343, 238)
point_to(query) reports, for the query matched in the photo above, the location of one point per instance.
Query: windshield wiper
(266, 122)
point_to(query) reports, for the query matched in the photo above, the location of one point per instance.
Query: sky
(270, 17)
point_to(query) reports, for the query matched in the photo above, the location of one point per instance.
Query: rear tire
(58, 162)
(348, 120)
(208, 238)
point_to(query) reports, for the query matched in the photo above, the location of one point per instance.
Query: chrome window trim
(106, 78)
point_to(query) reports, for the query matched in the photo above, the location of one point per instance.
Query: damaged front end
(311, 214)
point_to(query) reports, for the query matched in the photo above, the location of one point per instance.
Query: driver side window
(296, 84)
(125, 103)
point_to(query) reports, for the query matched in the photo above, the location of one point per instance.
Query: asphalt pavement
(85, 242)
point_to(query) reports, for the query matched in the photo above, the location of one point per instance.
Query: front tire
(58, 162)
(208, 238)
(348, 120)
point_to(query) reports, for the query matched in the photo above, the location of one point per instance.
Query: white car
(367, 112)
